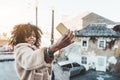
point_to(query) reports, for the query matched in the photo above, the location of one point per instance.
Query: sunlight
(23, 11)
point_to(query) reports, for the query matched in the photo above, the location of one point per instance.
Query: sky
(14, 12)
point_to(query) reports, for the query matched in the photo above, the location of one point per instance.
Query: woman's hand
(64, 41)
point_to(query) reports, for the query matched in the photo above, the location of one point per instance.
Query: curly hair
(21, 31)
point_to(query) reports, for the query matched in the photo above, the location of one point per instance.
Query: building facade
(95, 45)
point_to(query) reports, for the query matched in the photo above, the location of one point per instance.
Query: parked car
(73, 67)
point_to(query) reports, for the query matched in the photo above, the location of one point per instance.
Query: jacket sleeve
(30, 59)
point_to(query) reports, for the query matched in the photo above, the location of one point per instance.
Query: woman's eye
(34, 35)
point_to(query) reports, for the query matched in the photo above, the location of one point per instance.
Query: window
(101, 44)
(84, 43)
(67, 65)
(84, 60)
(76, 65)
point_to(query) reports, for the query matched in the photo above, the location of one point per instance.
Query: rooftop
(98, 30)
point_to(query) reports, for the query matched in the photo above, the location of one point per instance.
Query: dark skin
(64, 41)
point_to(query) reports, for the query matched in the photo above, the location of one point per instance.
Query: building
(94, 45)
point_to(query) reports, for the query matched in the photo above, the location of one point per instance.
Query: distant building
(3, 41)
(96, 45)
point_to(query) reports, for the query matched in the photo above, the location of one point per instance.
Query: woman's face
(31, 39)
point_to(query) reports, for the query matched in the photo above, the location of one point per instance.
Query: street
(96, 75)
(89, 75)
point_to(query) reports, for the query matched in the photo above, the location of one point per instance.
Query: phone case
(61, 28)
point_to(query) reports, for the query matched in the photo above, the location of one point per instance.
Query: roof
(98, 30)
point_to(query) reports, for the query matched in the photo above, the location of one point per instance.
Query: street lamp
(36, 12)
(52, 29)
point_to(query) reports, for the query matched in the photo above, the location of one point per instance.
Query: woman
(32, 61)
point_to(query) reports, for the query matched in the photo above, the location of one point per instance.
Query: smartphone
(61, 28)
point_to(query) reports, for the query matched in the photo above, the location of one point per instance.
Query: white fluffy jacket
(30, 62)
